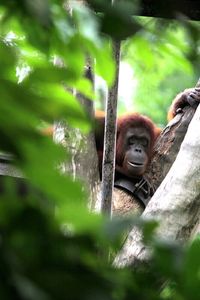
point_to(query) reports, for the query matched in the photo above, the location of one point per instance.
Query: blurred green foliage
(51, 246)
(165, 60)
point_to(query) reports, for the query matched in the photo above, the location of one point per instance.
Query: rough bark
(168, 145)
(83, 162)
(176, 202)
(108, 167)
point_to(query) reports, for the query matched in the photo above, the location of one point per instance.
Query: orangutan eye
(132, 140)
(144, 142)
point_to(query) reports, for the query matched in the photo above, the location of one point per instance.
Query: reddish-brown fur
(123, 124)
(179, 102)
(133, 120)
(187, 97)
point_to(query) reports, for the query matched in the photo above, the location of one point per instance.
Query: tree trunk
(176, 202)
(108, 167)
(83, 161)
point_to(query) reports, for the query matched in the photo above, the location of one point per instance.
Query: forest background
(51, 246)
